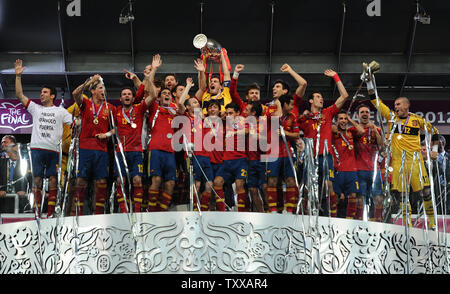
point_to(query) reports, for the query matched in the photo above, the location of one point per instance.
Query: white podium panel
(218, 243)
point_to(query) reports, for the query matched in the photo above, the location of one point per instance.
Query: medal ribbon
(128, 119)
(345, 139)
(399, 124)
(214, 130)
(95, 115)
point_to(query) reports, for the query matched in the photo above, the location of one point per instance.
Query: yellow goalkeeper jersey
(406, 130)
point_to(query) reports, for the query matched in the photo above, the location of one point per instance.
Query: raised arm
(79, 90)
(226, 71)
(132, 76)
(150, 86)
(235, 97)
(279, 110)
(343, 93)
(200, 67)
(378, 137)
(19, 91)
(180, 104)
(300, 91)
(359, 129)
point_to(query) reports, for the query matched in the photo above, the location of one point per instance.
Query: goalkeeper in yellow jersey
(406, 136)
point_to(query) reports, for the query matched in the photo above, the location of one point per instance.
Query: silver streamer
(416, 157)
(36, 215)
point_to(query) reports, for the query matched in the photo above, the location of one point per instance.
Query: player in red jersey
(345, 182)
(162, 165)
(93, 155)
(129, 120)
(235, 163)
(201, 161)
(368, 143)
(309, 124)
(256, 168)
(281, 167)
(214, 145)
(180, 193)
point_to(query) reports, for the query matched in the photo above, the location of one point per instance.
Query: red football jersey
(235, 98)
(139, 94)
(289, 124)
(365, 148)
(297, 103)
(130, 137)
(162, 131)
(214, 135)
(309, 124)
(89, 129)
(238, 148)
(198, 131)
(345, 147)
(253, 138)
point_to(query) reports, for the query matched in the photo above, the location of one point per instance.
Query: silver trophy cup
(210, 48)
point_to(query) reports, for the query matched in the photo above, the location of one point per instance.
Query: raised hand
(157, 62)
(329, 73)
(18, 67)
(189, 82)
(239, 67)
(286, 68)
(147, 70)
(129, 75)
(199, 65)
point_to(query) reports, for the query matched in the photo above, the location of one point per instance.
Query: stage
(218, 243)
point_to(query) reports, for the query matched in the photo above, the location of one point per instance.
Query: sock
(164, 201)
(220, 199)
(359, 210)
(403, 208)
(242, 195)
(428, 205)
(137, 197)
(280, 199)
(37, 200)
(153, 196)
(333, 204)
(79, 200)
(204, 202)
(290, 199)
(51, 201)
(272, 198)
(305, 204)
(121, 199)
(351, 207)
(102, 191)
(144, 204)
(378, 212)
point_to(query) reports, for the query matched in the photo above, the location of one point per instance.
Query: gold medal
(133, 125)
(95, 121)
(194, 130)
(399, 137)
(350, 147)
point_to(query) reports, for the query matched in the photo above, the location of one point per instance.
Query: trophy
(211, 49)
